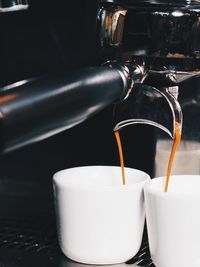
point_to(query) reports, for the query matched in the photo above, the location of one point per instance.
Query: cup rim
(56, 179)
(148, 188)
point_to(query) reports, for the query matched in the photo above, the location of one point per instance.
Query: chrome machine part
(148, 105)
(131, 73)
(164, 34)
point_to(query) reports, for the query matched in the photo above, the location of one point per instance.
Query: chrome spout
(148, 105)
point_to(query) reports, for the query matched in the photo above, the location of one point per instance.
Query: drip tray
(142, 258)
(33, 242)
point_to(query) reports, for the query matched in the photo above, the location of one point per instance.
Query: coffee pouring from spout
(146, 104)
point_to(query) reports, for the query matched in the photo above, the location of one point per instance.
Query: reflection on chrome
(148, 105)
(13, 85)
(177, 13)
(166, 33)
(112, 25)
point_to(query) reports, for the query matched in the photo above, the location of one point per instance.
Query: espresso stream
(177, 139)
(121, 157)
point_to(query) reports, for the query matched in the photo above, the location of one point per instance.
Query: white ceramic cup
(99, 220)
(173, 221)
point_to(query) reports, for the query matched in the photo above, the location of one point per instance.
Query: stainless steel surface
(13, 5)
(164, 35)
(168, 34)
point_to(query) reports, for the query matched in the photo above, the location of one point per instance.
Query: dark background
(48, 37)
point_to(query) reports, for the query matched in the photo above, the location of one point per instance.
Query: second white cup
(173, 221)
(99, 220)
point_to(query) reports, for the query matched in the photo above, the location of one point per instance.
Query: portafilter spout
(145, 104)
(148, 105)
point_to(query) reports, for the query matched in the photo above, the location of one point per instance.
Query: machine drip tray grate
(29, 235)
(142, 258)
(39, 237)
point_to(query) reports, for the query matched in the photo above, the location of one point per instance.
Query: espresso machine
(71, 73)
